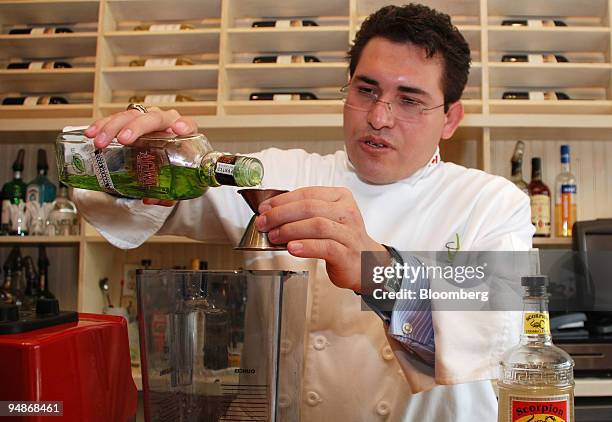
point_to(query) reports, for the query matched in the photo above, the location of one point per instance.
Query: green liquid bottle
(14, 194)
(157, 165)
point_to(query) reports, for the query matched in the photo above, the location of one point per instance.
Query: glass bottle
(33, 100)
(39, 65)
(537, 380)
(565, 196)
(159, 99)
(517, 167)
(43, 273)
(14, 195)
(164, 27)
(40, 189)
(32, 292)
(40, 30)
(166, 61)
(539, 195)
(158, 165)
(19, 282)
(63, 218)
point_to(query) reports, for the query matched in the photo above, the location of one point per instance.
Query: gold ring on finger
(136, 106)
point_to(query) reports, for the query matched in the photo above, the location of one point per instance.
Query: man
(408, 68)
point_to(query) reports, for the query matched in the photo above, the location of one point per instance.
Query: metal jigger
(253, 239)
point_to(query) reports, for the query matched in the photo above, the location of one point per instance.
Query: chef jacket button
(285, 346)
(383, 408)
(313, 398)
(387, 353)
(320, 342)
(284, 401)
(407, 328)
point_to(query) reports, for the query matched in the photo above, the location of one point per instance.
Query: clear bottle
(164, 27)
(539, 195)
(160, 99)
(537, 379)
(517, 167)
(14, 194)
(63, 219)
(166, 61)
(158, 165)
(565, 196)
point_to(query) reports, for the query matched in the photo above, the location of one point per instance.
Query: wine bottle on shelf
(565, 196)
(40, 30)
(63, 218)
(160, 99)
(18, 277)
(160, 165)
(166, 61)
(7, 285)
(164, 27)
(14, 195)
(32, 291)
(539, 195)
(34, 100)
(43, 271)
(39, 65)
(517, 167)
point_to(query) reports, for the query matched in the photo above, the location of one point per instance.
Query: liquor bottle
(18, 277)
(158, 165)
(40, 189)
(34, 100)
(164, 27)
(539, 195)
(43, 273)
(517, 167)
(536, 380)
(270, 96)
(14, 193)
(160, 99)
(39, 65)
(7, 286)
(166, 61)
(32, 291)
(40, 30)
(63, 218)
(285, 59)
(565, 196)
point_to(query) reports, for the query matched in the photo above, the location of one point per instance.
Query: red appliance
(83, 364)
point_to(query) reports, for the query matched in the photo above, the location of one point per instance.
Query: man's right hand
(128, 125)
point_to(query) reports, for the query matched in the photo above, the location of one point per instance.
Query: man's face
(382, 148)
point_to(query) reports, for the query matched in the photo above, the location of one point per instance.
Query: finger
(94, 128)
(313, 228)
(184, 126)
(314, 192)
(153, 121)
(302, 210)
(110, 127)
(327, 249)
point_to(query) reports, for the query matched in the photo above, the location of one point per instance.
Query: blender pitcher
(211, 345)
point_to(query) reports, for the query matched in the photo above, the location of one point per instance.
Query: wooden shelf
(44, 12)
(551, 107)
(453, 8)
(274, 75)
(44, 81)
(175, 77)
(554, 39)
(553, 75)
(290, 8)
(45, 46)
(163, 10)
(56, 240)
(562, 242)
(46, 111)
(144, 43)
(279, 40)
(192, 108)
(283, 107)
(548, 8)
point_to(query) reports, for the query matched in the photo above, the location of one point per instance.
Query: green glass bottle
(14, 193)
(157, 165)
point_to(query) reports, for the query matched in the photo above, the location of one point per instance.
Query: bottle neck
(536, 323)
(517, 170)
(565, 167)
(17, 174)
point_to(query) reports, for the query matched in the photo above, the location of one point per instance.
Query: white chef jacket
(352, 370)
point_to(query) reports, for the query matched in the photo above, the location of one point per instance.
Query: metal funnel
(252, 239)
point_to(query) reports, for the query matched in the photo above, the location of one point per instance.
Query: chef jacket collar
(414, 177)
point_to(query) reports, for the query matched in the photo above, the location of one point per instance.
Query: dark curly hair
(423, 27)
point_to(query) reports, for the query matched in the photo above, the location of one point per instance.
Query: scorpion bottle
(536, 379)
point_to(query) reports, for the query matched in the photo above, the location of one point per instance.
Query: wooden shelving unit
(222, 45)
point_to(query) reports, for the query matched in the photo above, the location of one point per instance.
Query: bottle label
(540, 214)
(224, 170)
(546, 409)
(31, 101)
(536, 323)
(160, 99)
(165, 27)
(160, 62)
(38, 31)
(102, 174)
(35, 65)
(6, 212)
(147, 171)
(33, 194)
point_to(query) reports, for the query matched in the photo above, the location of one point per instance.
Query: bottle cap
(565, 153)
(18, 164)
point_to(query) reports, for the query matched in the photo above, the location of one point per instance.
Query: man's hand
(128, 125)
(320, 222)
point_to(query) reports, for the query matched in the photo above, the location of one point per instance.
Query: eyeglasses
(364, 99)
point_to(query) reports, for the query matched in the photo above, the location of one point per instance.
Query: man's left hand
(320, 222)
